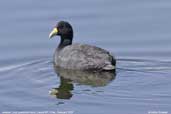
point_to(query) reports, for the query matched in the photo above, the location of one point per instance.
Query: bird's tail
(109, 67)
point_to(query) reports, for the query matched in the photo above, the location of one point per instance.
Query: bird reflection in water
(68, 77)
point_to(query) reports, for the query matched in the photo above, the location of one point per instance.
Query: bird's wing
(84, 56)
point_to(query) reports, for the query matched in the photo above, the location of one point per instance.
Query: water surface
(136, 32)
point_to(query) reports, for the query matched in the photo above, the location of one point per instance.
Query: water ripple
(143, 65)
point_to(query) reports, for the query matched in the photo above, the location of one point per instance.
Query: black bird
(79, 56)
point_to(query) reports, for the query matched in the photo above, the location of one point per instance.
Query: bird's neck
(64, 42)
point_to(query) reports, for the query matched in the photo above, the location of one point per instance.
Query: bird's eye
(61, 27)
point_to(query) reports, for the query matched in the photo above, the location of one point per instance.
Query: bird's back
(84, 57)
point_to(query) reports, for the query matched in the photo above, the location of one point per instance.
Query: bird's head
(62, 29)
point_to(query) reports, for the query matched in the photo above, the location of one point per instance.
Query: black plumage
(79, 56)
